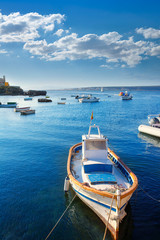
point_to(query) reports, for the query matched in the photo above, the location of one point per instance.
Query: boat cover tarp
(100, 178)
(90, 168)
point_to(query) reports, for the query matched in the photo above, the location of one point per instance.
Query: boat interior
(98, 175)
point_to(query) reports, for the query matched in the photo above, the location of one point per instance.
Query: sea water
(33, 158)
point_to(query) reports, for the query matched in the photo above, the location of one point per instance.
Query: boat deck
(100, 180)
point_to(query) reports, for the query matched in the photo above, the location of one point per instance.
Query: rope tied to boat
(105, 232)
(63, 214)
(157, 200)
(60, 217)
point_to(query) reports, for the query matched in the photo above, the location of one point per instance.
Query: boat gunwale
(105, 194)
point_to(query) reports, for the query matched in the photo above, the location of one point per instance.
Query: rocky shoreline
(12, 90)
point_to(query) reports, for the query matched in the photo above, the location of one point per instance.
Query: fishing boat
(100, 179)
(18, 109)
(28, 112)
(44, 100)
(89, 100)
(8, 105)
(154, 126)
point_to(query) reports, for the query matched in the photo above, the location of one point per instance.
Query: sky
(56, 44)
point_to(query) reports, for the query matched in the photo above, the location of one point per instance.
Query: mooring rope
(60, 217)
(157, 200)
(108, 219)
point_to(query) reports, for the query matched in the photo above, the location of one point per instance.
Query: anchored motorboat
(88, 100)
(100, 179)
(154, 126)
(83, 96)
(126, 95)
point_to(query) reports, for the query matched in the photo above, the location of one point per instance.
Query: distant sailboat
(101, 89)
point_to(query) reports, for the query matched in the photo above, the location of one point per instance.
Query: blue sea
(33, 158)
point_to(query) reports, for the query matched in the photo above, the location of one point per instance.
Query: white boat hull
(88, 100)
(21, 109)
(101, 206)
(149, 130)
(127, 97)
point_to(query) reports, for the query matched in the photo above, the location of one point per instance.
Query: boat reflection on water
(126, 226)
(150, 139)
(79, 216)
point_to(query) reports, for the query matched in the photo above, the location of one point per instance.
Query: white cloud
(106, 66)
(22, 28)
(155, 51)
(123, 66)
(59, 32)
(109, 47)
(149, 32)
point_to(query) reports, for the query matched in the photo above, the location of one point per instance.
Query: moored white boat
(88, 100)
(18, 109)
(126, 96)
(8, 105)
(154, 127)
(100, 179)
(83, 96)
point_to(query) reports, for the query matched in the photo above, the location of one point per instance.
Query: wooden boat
(18, 109)
(61, 103)
(27, 112)
(8, 105)
(100, 179)
(154, 126)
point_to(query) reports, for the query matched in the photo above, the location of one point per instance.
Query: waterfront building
(3, 82)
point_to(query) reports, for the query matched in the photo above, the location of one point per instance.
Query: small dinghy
(154, 126)
(18, 109)
(27, 98)
(61, 103)
(8, 105)
(100, 179)
(27, 112)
